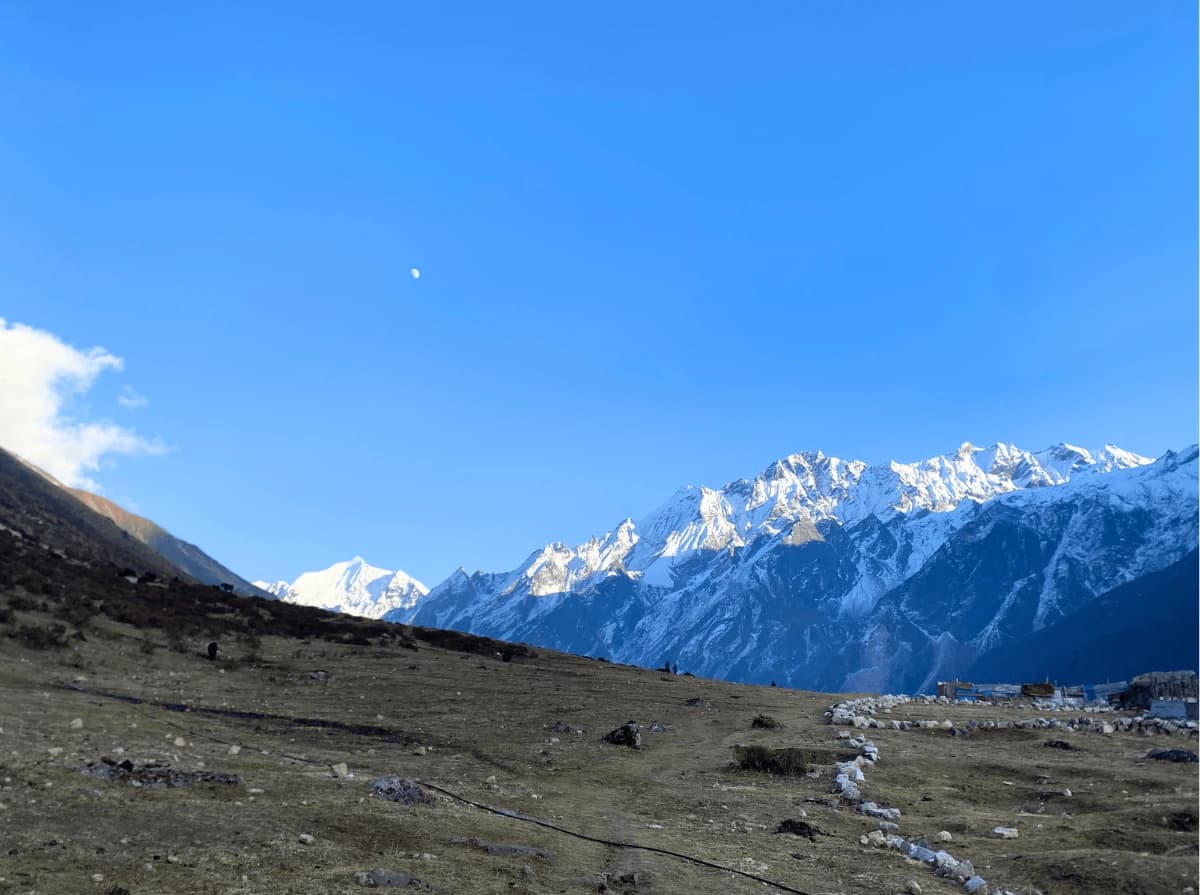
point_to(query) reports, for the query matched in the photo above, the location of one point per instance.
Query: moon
(416, 273)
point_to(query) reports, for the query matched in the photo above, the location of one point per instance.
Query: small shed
(1175, 709)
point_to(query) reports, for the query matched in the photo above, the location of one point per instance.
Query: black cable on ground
(509, 813)
(517, 815)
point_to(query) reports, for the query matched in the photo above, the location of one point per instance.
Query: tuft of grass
(787, 762)
(765, 722)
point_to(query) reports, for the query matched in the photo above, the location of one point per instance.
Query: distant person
(212, 651)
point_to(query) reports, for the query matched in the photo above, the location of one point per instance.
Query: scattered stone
(976, 885)
(501, 850)
(697, 703)
(180, 742)
(154, 776)
(1177, 755)
(340, 770)
(319, 675)
(420, 750)
(627, 734)
(912, 887)
(306, 839)
(564, 727)
(234, 750)
(399, 789)
(76, 723)
(799, 828)
(655, 727)
(491, 780)
(944, 836)
(1006, 832)
(54, 750)
(1066, 792)
(886, 826)
(872, 810)
(380, 878)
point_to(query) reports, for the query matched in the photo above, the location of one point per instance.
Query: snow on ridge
(354, 587)
(805, 487)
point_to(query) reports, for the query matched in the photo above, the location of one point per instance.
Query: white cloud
(130, 399)
(416, 273)
(39, 374)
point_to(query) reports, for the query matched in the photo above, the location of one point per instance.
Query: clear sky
(657, 246)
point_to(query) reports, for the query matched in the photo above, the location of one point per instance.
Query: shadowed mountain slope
(183, 554)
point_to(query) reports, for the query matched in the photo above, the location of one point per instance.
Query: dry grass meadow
(480, 727)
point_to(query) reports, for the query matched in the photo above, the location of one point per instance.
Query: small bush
(782, 762)
(765, 722)
(21, 604)
(52, 636)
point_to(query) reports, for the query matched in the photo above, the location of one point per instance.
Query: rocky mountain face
(354, 587)
(827, 574)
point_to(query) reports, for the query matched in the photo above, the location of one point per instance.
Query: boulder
(627, 734)
(399, 789)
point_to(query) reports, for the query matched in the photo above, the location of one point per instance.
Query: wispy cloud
(39, 375)
(130, 399)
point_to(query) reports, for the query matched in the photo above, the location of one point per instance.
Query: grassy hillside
(294, 692)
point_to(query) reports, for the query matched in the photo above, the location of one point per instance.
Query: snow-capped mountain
(353, 587)
(820, 572)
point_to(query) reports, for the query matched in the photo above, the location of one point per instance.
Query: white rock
(180, 742)
(944, 836)
(234, 750)
(76, 723)
(1006, 832)
(306, 839)
(340, 770)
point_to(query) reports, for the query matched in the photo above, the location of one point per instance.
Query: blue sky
(657, 247)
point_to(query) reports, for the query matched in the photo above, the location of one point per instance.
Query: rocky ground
(130, 763)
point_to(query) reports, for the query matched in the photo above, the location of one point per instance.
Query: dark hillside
(1140, 626)
(40, 511)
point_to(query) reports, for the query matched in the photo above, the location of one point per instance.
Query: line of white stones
(859, 713)
(848, 776)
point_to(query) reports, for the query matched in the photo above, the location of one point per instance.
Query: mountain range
(838, 575)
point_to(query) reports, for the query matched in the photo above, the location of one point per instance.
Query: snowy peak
(847, 576)
(800, 489)
(355, 587)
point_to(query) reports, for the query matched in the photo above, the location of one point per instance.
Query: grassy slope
(484, 717)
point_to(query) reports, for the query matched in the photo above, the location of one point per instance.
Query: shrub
(52, 636)
(765, 722)
(783, 762)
